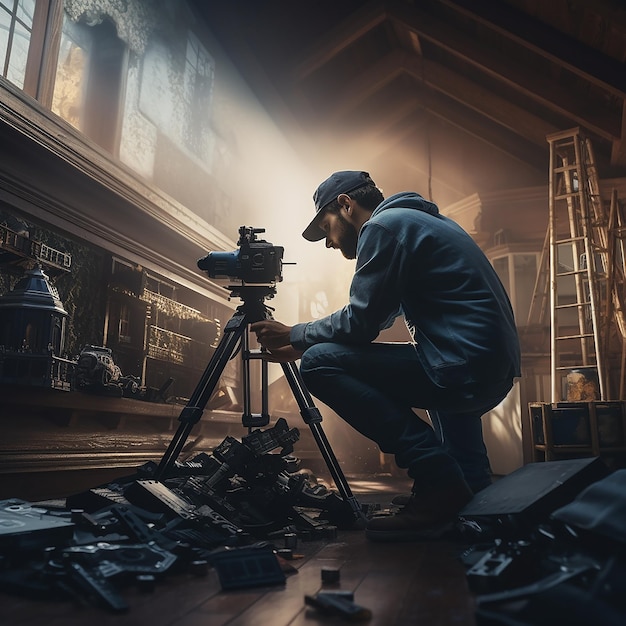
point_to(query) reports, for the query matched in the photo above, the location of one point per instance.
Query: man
(410, 261)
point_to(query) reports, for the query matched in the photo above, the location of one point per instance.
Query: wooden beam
(493, 136)
(341, 37)
(532, 85)
(563, 50)
(417, 98)
(432, 104)
(494, 107)
(364, 85)
(459, 88)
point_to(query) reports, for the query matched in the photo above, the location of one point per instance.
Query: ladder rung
(575, 367)
(597, 276)
(564, 137)
(573, 305)
(565, 337)
(565, 196)
(571, 273)
(559, 242)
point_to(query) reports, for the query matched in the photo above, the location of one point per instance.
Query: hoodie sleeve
(374, 295)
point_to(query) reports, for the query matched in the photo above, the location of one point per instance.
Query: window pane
(18, 55)
(199, 72)
(5, 25)
(88, 82)
(525, 269)
(501, 265)
(25, 11)
(16, 23)
(70, 83)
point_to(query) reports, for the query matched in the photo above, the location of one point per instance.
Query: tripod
(252, 310)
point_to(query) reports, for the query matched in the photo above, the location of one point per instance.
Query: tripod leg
(192, 412)
(313, 418)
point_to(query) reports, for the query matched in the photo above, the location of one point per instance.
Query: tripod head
(249, 293)
(253, 300)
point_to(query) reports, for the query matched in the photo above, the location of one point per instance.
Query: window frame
(43, 50)
(509, 252)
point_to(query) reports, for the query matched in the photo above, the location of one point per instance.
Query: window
(518, 272)
(199, 70)
(123, 331)
(28, 44)
(87, 90)
(78, 73)
(72, 71)
(16, 26)
(160, 287)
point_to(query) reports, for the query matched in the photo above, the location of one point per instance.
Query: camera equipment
(256, 262)
(257, 265)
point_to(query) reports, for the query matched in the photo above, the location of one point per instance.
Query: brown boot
(404, 498)
(427, 515)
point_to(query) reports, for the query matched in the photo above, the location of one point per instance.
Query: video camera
(256, 262)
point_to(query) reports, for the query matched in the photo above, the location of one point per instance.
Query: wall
(163, 197)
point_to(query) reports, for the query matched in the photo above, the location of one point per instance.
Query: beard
(347, 238)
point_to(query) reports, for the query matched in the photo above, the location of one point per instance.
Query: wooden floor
(401, 584)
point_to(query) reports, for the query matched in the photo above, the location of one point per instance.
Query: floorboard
(401, 584)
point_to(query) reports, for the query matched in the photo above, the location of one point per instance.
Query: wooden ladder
(579, 264)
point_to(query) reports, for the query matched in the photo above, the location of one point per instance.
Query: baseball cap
(336, 184)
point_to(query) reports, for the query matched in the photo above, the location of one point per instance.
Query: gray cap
(327, 192)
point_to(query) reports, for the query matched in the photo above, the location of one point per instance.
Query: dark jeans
(373, 387)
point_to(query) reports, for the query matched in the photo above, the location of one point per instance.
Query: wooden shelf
(575, 429)
(53, 443)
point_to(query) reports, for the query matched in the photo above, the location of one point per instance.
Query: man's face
(340, 233)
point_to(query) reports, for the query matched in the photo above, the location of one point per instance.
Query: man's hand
(274, 337)
(271, 334)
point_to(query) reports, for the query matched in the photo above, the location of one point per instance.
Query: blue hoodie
(413, 261)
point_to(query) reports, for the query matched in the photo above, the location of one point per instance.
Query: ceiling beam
(541, 89)
(474, 125)
(455, 86)
(364, 85)
(340, 37)
(494, 107)
(417, 98)
(563, 50)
